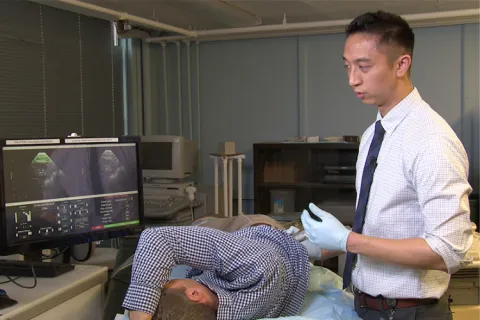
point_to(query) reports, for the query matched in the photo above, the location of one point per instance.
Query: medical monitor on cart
(56, 193)
(167, 158)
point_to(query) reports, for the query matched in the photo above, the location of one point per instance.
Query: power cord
(88, 256)
(14, 280)
(44, 257)
(127, 263)
(3, 282)
(57, 254)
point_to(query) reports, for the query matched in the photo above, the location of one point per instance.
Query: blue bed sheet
(325, 298)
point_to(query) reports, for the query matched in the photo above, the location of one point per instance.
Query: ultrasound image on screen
(63, 190)
(38, 174)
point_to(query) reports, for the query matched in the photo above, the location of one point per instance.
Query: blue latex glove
(329, 234)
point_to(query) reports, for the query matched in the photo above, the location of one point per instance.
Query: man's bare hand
(138, 315)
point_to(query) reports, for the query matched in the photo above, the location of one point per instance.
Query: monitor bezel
(68, 241)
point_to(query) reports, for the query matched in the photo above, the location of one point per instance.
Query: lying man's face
(195, 291)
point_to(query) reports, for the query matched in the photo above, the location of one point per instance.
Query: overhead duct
(92, 10)
(444, 18)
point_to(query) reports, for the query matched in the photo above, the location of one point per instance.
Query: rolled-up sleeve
(441, 179)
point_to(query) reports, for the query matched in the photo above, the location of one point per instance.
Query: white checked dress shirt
(420, 190)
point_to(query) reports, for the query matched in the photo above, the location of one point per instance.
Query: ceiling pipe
(109, 14)
(444, 18)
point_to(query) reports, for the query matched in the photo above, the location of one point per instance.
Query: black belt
(381, 303)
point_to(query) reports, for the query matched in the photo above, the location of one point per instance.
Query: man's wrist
(355, 241)
(138, 315)
(327, 254)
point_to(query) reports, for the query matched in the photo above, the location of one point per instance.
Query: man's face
(370, 69)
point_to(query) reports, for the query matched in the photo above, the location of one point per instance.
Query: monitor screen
(51, 192)
(157, 155)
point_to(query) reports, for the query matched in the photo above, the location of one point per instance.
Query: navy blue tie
(367, 179)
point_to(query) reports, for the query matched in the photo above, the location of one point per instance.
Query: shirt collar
(395, 116)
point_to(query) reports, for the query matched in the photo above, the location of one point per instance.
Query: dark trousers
(437, 311)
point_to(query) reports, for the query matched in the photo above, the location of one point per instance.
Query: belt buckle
(355, 290)
(391, 302)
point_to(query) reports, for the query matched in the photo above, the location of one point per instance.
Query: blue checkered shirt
(256, 272)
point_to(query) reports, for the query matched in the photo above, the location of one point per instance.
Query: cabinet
(75, 295)
(322, 173)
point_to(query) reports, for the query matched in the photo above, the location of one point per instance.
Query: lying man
(255, 272)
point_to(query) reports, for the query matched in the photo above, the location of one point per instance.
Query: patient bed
(325, 299)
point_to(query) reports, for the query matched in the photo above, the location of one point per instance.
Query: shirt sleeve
(160, 249)
(440, 176)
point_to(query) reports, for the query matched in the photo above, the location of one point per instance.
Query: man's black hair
(391, 28)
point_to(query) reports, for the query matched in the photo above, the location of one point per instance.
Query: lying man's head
(185, 299)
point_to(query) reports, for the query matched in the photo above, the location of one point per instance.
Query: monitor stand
(37, 256)
(33, 256)
(67, 255)
(34, 266)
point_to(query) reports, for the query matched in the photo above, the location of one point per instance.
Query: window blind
(59, 73)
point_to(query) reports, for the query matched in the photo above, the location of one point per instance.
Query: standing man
(412, 170)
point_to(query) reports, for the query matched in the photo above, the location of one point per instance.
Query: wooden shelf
(308, 145)
(323, 173)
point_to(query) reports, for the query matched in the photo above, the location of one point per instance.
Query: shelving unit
(323, 173)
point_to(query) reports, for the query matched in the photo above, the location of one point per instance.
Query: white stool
(227, 161)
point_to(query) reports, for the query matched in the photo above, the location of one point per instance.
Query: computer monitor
(167, 157)
(61, 192)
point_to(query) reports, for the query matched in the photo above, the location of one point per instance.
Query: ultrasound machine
(57, 193)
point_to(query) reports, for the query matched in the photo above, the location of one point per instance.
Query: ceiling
(218, 14)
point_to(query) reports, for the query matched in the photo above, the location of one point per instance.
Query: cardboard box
(227, 148)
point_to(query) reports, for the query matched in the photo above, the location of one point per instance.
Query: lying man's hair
(175, 305)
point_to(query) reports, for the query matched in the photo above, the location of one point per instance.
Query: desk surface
(50, 292)
(101, 257)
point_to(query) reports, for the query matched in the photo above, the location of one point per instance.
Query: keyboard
(165, 208)
(18, 268)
